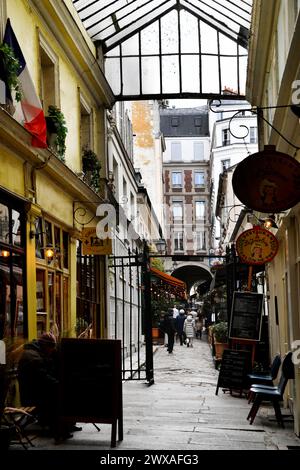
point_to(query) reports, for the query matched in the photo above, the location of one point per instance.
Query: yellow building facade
(45, 200)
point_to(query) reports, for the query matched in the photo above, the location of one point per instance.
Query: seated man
(39, 384)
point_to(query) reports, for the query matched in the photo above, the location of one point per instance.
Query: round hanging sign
(256, 246)
(267, 181)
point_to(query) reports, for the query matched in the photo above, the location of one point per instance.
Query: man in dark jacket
(168, 326)
(38, 379)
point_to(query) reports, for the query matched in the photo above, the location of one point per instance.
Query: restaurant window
(13, 314)
(52, 278)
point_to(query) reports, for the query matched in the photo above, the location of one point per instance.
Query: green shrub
(220, 331)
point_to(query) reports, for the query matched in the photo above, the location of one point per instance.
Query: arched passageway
(192, 273)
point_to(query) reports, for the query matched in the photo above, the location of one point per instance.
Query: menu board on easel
(91, 382)
(234, 368)
(246, 316)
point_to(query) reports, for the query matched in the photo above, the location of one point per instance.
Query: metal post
(148, 315)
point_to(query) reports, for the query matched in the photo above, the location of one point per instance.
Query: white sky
(193, 103)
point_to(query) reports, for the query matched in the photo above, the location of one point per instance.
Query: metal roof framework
(171, 48)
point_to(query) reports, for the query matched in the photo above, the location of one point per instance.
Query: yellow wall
(11, 172)
(54, 200)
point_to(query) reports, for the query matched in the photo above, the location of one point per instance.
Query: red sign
(268, 181)
(256, 246)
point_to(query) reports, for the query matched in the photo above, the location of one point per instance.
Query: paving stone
(181, 411)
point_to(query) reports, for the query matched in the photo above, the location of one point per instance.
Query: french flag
(32, 115)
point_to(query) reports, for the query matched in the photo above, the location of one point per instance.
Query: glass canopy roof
(171, 48)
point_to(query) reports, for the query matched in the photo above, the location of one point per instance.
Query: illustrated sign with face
(256, 246)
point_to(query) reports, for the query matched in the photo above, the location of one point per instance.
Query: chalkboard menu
(234, 368)
(91, 383)
(246, 315)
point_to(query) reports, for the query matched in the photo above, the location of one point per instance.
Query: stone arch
(192, 272)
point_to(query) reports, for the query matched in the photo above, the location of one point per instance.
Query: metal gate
(130, 313)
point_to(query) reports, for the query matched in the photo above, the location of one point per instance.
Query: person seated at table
(39, 384)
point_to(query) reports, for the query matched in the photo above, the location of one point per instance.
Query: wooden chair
(265, 377)
(17, 417)
(20, 418)
(273, 394)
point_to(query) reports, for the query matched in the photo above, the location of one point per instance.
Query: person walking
(199, 326)
(168, 327)
(189, 328)
(179, 322)
(175, 312)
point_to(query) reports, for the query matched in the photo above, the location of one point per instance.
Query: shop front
(13, 304)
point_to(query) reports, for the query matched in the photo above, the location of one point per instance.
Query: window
(178, 241)
(52, 278)
(177, 210)
(124, 198)
(132, 207)
(225, 164)
(253, 135)
(48, 76)
(13, 315)
(200, 241)
(199, 178)
(197, 122)
(198, 151)
(175, 122)
(86, 141)
(176, 151)
(225, 137)
(200, 210)
(177, 178)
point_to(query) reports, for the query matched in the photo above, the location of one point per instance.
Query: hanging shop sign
(93, 245)
(268, 181)
(256, 246)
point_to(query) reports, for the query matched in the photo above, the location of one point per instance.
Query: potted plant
(91, 168)
(11, 66)
(56, 131)
(220, 337)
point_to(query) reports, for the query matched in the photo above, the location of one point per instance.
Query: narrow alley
(182, 412)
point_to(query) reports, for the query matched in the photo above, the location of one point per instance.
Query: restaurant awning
(174, 286)
(173, 281)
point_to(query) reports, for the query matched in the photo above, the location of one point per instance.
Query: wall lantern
(5, 253)
(269, 222)
(49, 252)
(160, 245)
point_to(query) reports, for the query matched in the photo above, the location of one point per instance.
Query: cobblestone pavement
(181, 411)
